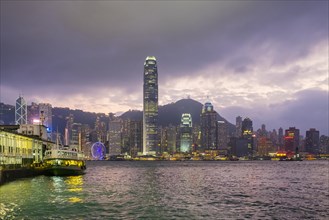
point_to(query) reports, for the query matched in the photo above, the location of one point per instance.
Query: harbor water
(175, 190)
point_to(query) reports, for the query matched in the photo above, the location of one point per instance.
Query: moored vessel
(64, 162)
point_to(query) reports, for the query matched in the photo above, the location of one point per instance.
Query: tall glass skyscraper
(209, 127)
(150, 107)
(20, 111)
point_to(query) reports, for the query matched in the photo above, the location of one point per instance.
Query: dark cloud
(308, 109)
(109, 40)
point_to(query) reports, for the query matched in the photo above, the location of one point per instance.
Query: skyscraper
(208, 127)
(150, 107)
(312, 141)
(186, 133)
(76, 135)
(247, 134)
(238, 126)
(135, 137)
(280, 139)
(222, 135)
(68, 129)
(324, 144)
(46, 109)
(115, 135)
(100, 129)
(171, 139)
(291, 140)
(33, 113)
(247, 128)
(85, 135)
(20, 111)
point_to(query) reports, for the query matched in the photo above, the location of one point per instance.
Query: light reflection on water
(174, 190)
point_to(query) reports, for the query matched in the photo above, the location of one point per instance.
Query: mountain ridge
(171, 113)
(168, 114)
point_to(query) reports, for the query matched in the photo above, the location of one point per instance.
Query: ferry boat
(64, 162)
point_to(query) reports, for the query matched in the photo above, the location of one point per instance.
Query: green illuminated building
(186, 133)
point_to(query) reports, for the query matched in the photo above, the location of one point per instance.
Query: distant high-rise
(85, 135)
(150, 107)
(247, 128)
(186, 133)
(46, 109)
(247, 133)
(324, 144)
(131, 137)
(115, 135)
(172, 138)
(263, 131)
(76, 135)
(100, 129)
(281, 139)
(312, 141)
(222, 135)
(68, 129)
(135, 137)
(33, 113)
(169, 139)
(196, 146)
(208, 127)
(20, 111)
(238, 126)
(291, 140)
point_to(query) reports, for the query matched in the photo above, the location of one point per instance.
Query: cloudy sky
(263, 60)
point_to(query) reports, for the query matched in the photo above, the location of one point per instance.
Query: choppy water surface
(175, 190)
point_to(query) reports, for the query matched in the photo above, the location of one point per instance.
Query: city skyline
(264, 60)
